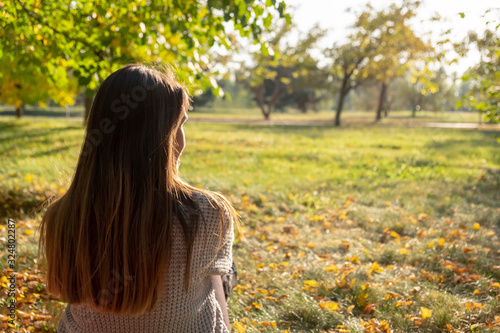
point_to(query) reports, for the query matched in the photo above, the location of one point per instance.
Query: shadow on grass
(44, 113)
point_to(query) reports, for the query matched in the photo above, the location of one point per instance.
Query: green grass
(350, 199)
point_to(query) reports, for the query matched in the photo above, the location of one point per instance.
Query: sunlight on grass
(345, 229)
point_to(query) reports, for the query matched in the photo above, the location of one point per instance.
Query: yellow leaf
(476, 226)
(332, 306)
(257, 305)
(240, 328)
(312, 283)
(265, 292)
(496, 285)
(441, 241)
(403, 251)
(331, 268)
(284, 263)
(431, 244)
(394, 234)
(349, 309)
(311, 244)
(426, 313)
(28, 232)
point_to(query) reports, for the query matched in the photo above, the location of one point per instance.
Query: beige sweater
(176, 311)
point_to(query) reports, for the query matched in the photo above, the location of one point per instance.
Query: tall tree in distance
(396, 47)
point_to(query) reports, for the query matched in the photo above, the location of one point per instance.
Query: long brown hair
(115, 220)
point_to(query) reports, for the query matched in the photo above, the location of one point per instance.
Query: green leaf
(462, 15)
(263, 49)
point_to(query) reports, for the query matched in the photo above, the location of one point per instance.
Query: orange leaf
(268, 323)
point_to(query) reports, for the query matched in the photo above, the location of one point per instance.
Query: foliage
(382, 46)
(397, 48)
(285, 73)
(410, 93)
(484, 94)
(28, 74)
(94, 38)
(396, 231)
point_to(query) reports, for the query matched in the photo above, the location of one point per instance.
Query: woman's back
(132, 247)
(176, 311)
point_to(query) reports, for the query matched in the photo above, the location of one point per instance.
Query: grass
(345, 229)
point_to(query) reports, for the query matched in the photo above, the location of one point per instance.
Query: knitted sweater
(176, 311)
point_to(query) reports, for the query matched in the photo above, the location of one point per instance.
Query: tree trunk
(416, 107)
(340, 105)
(381, 101)
(259, 98)
(19, 110)
(302, 104)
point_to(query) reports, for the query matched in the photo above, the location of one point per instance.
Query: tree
(484, 94)
(396, 47)
(28, 75)
(284, 73)
(97, 37)
(349, 62)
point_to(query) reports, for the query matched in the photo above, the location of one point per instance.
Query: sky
(332, 15)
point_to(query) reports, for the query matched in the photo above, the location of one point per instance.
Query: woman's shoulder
(208, 201)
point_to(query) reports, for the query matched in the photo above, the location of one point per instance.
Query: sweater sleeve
(217, 249)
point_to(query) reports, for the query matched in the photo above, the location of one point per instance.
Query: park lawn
(360, 229)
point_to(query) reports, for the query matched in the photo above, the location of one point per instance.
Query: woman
(130, 246)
